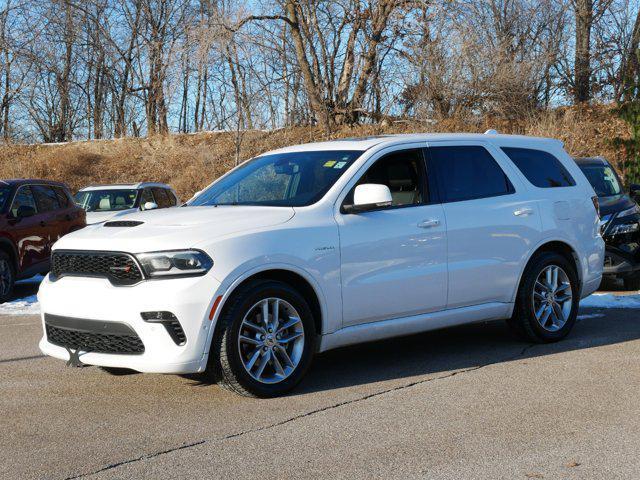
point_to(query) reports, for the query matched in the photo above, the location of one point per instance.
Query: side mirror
(150, 206)
(25, 211)
(370, 196)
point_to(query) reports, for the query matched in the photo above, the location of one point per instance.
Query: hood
(99, 217)
(614, 204)
(174, 228)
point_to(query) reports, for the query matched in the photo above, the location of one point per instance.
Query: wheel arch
(7, 247)
(559, 246)
(293, 277)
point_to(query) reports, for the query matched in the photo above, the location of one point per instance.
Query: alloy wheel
(552, 298)
(271, 340)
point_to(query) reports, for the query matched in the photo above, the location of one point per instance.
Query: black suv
(620, 216)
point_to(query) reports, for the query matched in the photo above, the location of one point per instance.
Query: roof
(591, 161)
(120, 186)
(23, 181)
(364, 143)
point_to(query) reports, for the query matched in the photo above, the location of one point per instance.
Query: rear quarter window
(541, 168)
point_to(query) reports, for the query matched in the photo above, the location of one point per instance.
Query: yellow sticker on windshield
(330, 163)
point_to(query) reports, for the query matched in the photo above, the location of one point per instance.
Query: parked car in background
(105, 202)
(319, 246)
(34, 214)
(620, 217)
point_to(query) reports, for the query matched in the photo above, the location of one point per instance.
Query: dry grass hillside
(189, 162)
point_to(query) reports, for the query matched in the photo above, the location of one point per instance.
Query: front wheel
(7, 277)
(547, 301)
(265, 340)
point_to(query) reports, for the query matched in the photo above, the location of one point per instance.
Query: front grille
(123, 223)
(120, 268)
(89, 335)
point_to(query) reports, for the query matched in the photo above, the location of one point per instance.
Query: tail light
(596, 204)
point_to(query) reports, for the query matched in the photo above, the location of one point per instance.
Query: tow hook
(74, 358)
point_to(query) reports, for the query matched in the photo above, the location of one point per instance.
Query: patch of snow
(22, 306)
(609, 300)
(587, 316)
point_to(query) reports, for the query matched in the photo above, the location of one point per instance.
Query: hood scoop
(123, 223)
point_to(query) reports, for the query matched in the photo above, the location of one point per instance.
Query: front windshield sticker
(340, 164)
(330, 163)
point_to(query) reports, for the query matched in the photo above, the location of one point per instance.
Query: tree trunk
(582, 64)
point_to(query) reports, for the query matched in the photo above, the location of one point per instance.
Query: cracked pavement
(468, 402)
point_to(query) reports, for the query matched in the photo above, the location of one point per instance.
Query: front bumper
(616, 265)
(96, 299)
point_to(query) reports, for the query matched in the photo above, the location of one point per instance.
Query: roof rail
(491, 131)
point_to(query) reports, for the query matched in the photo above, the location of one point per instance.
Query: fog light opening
(170, 323)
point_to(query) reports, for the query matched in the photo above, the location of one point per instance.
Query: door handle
(430, 223)
(523, 212)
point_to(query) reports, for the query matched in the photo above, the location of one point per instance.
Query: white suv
(105, 202)
(319, 246)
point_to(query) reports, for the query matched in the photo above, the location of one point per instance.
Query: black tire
(632, 282)
(225, 366)
(7, 278)
(524, 322)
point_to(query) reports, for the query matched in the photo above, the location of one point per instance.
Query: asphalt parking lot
(469, 402)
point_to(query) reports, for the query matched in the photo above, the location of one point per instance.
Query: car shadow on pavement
(460, 348)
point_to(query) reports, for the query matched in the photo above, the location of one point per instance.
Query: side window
(46, 198)
(467, 173)
(63, 198)
(403, 173)
(172, 198)
(161, 197)
(541, 168)
(23, 198)
(146, 196)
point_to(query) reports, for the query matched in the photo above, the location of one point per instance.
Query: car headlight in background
(175, 263)
(629, 211)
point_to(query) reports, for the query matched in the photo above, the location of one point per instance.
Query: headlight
(629, 211)
(175, 263)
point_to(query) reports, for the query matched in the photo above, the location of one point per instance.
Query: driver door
(394, 259)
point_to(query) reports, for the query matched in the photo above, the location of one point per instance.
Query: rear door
(491, 221)
(30, 233)
(393, 259)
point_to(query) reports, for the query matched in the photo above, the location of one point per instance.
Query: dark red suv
(33, 215)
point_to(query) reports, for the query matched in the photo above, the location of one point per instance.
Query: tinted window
(23, 198)
(172, 198)
(147, 196)
(541, 168)
(468, 172)
(63, 199)
(46, 198)
(603, 179)
(5, 194)
(161, 197)
(402, 172)
(280, 179)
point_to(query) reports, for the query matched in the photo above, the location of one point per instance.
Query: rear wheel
(547, 301)
(265, 340)
(7, 277)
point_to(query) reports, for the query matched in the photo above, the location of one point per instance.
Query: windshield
(283, 179)
(603, 179)
(5, 193)
(106, 200)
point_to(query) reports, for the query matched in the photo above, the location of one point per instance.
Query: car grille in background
(123, 223)
(120, 268)
(92, 335)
